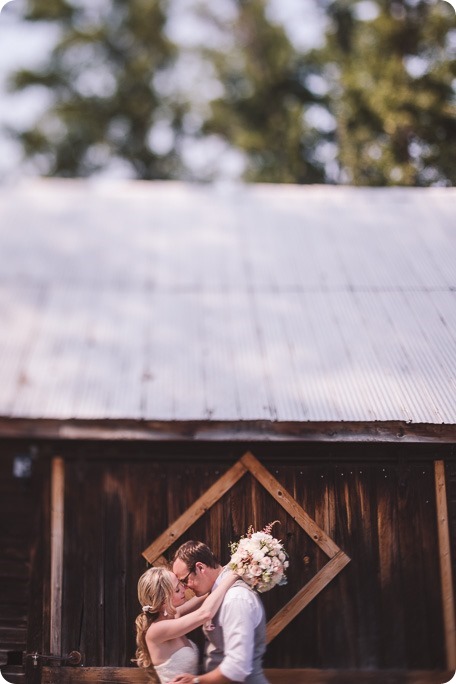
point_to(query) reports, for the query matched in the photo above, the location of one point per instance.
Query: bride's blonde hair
(155, 591)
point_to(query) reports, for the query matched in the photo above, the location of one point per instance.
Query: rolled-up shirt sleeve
(240, 614)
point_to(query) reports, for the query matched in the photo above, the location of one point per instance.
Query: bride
(167, 617)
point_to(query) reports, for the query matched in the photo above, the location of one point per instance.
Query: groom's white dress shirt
(242, 611)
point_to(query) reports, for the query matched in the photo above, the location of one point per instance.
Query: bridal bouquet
(260, 559)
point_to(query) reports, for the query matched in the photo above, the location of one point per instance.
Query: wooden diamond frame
(248, 463)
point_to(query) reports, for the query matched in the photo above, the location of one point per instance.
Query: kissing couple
(230, 612)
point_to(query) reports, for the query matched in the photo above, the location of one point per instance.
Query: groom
(235, 645)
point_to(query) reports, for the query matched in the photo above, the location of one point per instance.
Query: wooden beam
(132, 675)
(248, 463)
(57, 533)
(305, 595)
(334, 676)
(196, 510)
(445, 565)
(285, 499)
(233, 431)
(89, 675)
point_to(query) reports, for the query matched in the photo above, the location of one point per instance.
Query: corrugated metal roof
(176, 302)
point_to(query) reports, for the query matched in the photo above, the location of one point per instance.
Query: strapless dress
(185, 659)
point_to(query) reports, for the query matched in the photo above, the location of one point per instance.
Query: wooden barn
(182, 361)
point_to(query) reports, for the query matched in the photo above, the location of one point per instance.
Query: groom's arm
(239, 616)
(192, 604)
(214, 677)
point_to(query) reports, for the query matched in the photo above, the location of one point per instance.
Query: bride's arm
(192, 604)
(170, 629)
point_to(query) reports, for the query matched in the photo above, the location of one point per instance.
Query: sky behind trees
(293, 91)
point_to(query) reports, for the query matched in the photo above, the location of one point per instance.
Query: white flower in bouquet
(260, 559)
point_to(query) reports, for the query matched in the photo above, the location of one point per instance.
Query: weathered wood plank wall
(383, 611)
(19, 530)
(376, 501)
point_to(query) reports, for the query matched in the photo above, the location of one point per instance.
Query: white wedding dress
(185, 659)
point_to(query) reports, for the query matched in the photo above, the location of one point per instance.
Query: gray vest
(214, 647)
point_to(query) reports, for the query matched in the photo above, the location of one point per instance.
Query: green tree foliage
(392, 92)
(375, 105)
(265, 95)
(102, 77)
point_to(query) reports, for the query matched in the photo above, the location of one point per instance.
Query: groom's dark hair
(193, 552)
